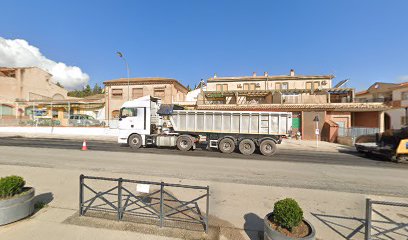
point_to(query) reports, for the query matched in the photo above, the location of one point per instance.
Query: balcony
(373, 100)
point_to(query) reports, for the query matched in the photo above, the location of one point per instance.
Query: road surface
(346, 157)
(342, 172)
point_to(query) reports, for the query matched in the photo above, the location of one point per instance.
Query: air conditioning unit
(258, 85)
(239, 85)
(324, 83)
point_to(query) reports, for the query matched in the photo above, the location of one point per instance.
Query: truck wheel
(184, 143)
(267, 147)
(135, 141)
(227, 145)
(247, 147)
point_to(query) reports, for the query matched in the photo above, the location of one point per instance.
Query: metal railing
(356, 131)
(159, 204)
(381, 231)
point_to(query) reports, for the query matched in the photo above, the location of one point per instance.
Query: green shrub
(10, 186)
(287, 213)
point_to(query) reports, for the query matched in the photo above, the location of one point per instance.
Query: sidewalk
(309, 145)
(238, 209)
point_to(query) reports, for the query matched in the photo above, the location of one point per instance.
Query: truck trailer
(147, 122)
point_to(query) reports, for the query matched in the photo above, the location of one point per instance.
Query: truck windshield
(128, 112)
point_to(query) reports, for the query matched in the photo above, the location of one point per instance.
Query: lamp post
(128, 72)
(317, 131)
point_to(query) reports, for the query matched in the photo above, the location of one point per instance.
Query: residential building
(19, 85)
(118, 91)
(306, 96)
(394, 95)
(29, 93)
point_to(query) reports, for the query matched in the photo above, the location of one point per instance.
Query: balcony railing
(372, 100)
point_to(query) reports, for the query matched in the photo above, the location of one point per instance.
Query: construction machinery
(391, 144)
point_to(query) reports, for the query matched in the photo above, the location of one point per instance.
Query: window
(285, 85)
(222, 87)
(403, 121)
(117, 93)
(249, 86)
(159, 92)
(316, 85)
(308, 85)
(137, 93)
(278, 86)
(404, 96)
(128, 112)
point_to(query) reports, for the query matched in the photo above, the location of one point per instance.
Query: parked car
(84, 120)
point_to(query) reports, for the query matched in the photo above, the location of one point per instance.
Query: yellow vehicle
(392, 144)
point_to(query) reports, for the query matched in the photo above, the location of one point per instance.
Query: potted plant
(286, 222)
(16, 200)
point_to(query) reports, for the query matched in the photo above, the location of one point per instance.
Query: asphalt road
(342, 172)
(345, 157)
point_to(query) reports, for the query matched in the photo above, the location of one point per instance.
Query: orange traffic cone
(84, 147)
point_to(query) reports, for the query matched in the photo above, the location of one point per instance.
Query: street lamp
(128, 71)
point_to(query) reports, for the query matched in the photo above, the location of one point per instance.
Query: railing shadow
(354, 228)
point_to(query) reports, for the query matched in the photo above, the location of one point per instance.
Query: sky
(365, 40)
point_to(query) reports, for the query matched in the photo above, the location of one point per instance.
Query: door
(132, 118)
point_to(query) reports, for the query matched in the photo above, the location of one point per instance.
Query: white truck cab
(136, 116)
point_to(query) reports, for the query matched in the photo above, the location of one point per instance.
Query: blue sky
(364, 40)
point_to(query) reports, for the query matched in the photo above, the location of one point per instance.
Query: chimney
(215, 75)
(265, 74)
(253, 74)
(292, 72)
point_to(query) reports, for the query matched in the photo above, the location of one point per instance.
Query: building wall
(309, 126)
(341, 118)
(397, 117)
(366, 119)
(171, 94)
(29, 82)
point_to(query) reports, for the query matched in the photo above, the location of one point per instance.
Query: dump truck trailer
(147, 122)
(392, 144)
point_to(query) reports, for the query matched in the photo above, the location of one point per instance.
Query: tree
(188, 88)
(59, 85)
(97, 89)
(87, 90)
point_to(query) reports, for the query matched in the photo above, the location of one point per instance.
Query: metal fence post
(368, 220)
(81, 193)
(120, 180)
(161, 204)
(207, 209)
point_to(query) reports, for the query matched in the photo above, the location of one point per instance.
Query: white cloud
(19, 53)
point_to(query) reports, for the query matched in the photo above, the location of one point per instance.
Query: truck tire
(226, 145)
(135, 141)
(267, 147)
(184, 143)
(247, 147)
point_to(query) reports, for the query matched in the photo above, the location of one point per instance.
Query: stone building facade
(118, 91)
(20, 85)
